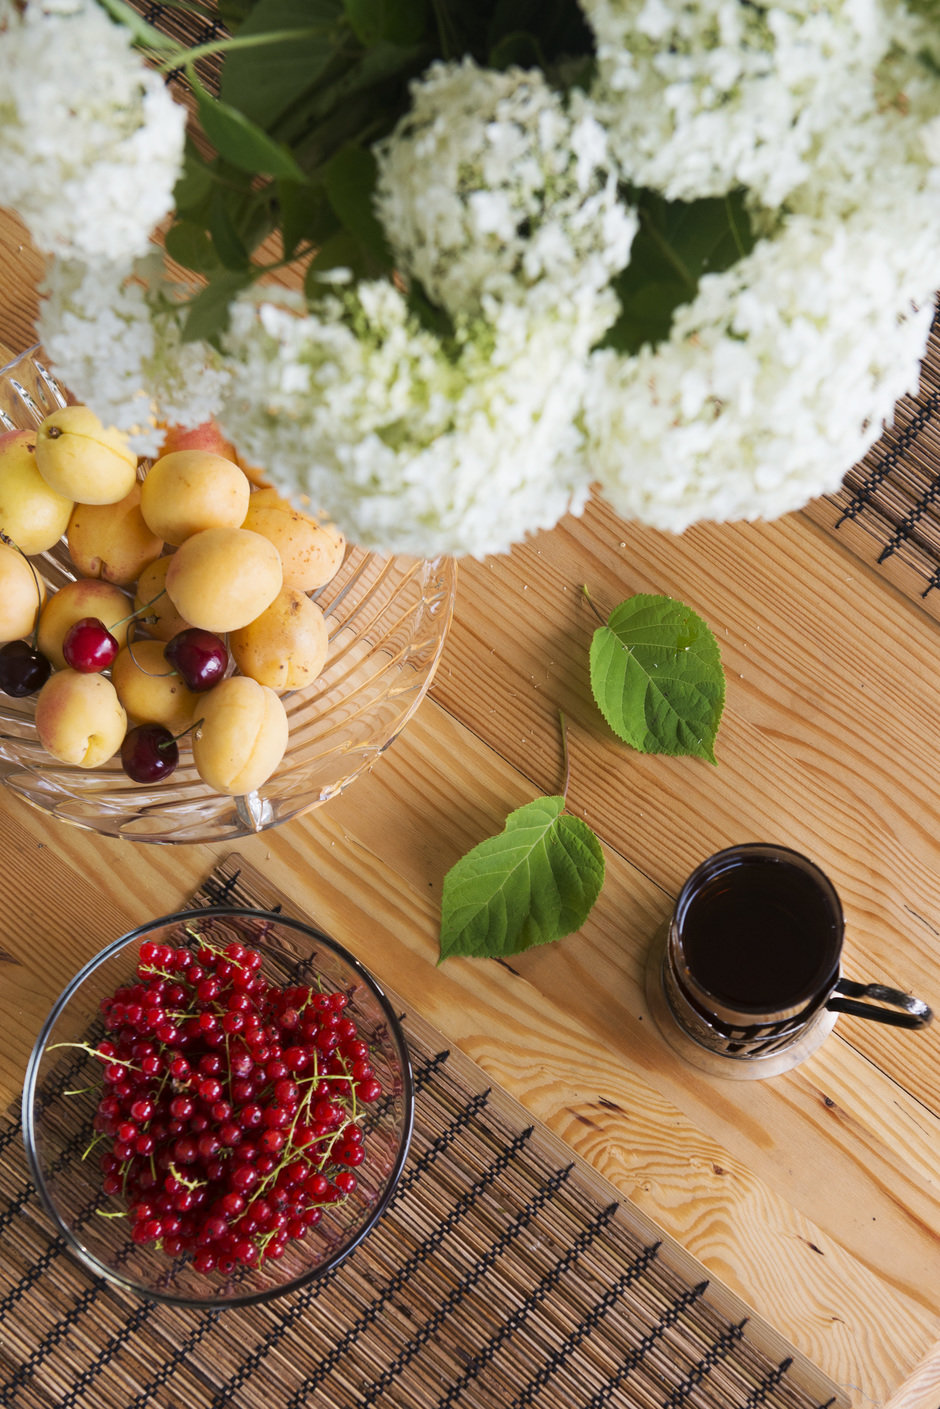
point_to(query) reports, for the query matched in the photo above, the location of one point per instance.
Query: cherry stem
(132, 616)
(175, 738)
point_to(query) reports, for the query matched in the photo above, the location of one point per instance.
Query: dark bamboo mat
(888, 509)
(506, 1274)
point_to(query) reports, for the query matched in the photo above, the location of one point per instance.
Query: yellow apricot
(31, 513)
(112, 541)
(21, 594)
(286, 646)
(150, 689)
(79, 718)
(242, 736)
(86, 596)
(311, 551)
(161, 619)
(222, 578)
(190, 490)
(83, 460)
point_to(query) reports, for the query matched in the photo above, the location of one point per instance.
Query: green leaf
(340, 251)
(233, 13)
(194, 183)
(518, 49)
(242, 142)
(534, 882)
(557, 27)
(226, 240)
(678, 242)
(306, 215)
(263, 79)
(657, 677)
(350, 181)
(189, 244)
(208, 312)
(398, 21)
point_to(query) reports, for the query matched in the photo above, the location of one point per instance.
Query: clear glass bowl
(387, 620)
(63, 1084)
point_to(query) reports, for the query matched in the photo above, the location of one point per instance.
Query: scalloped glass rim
(141, 1271)
(388, 620)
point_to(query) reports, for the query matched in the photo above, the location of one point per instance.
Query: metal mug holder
(750, 1045)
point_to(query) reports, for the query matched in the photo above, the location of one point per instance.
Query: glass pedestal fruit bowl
(387, 621)
(187, 1167)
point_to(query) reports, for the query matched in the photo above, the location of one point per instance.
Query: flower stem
(238, 41)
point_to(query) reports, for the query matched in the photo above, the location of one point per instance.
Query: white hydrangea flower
(881, 163)
(113, 335)
(493, 186)
(775, 380)
(701, 97)
(410, 446)
(92, 142)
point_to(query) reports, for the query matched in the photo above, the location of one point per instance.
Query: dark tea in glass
(748, 968)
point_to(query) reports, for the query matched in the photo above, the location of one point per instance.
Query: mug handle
(905, 1010)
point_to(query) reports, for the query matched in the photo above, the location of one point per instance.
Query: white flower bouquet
(443, 269)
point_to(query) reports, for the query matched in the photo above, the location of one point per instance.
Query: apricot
(222, 578)
(112, 541)
(150, 690)
(190, 490)
(79, 718)
(83, 460)
(31, 513)
(241, 737)
(286, 646)
(206, 436)
(86, 596)
(311, 551)
(161, 619)
(21, 594)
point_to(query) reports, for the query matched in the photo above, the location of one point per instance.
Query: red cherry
(89, 646)
(149, 753)
(199, 657)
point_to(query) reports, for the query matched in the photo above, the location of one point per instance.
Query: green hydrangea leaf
(190, 245)
(534, 882)
(677, 242)
(301, 38)
(240, 141)
(398, 21)
(208, 313)
(350, 177)
(657, 677)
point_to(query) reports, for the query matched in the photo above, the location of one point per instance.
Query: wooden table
(814, 1195)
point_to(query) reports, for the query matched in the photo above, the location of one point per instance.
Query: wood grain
(22, 268)
(815, 1196)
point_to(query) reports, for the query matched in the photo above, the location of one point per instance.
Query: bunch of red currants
(233, 1108)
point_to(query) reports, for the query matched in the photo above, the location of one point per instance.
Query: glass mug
(745, 979)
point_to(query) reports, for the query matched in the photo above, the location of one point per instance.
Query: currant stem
(93, 1052)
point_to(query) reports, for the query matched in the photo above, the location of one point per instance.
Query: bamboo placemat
(888, 509)
(505, 1274)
